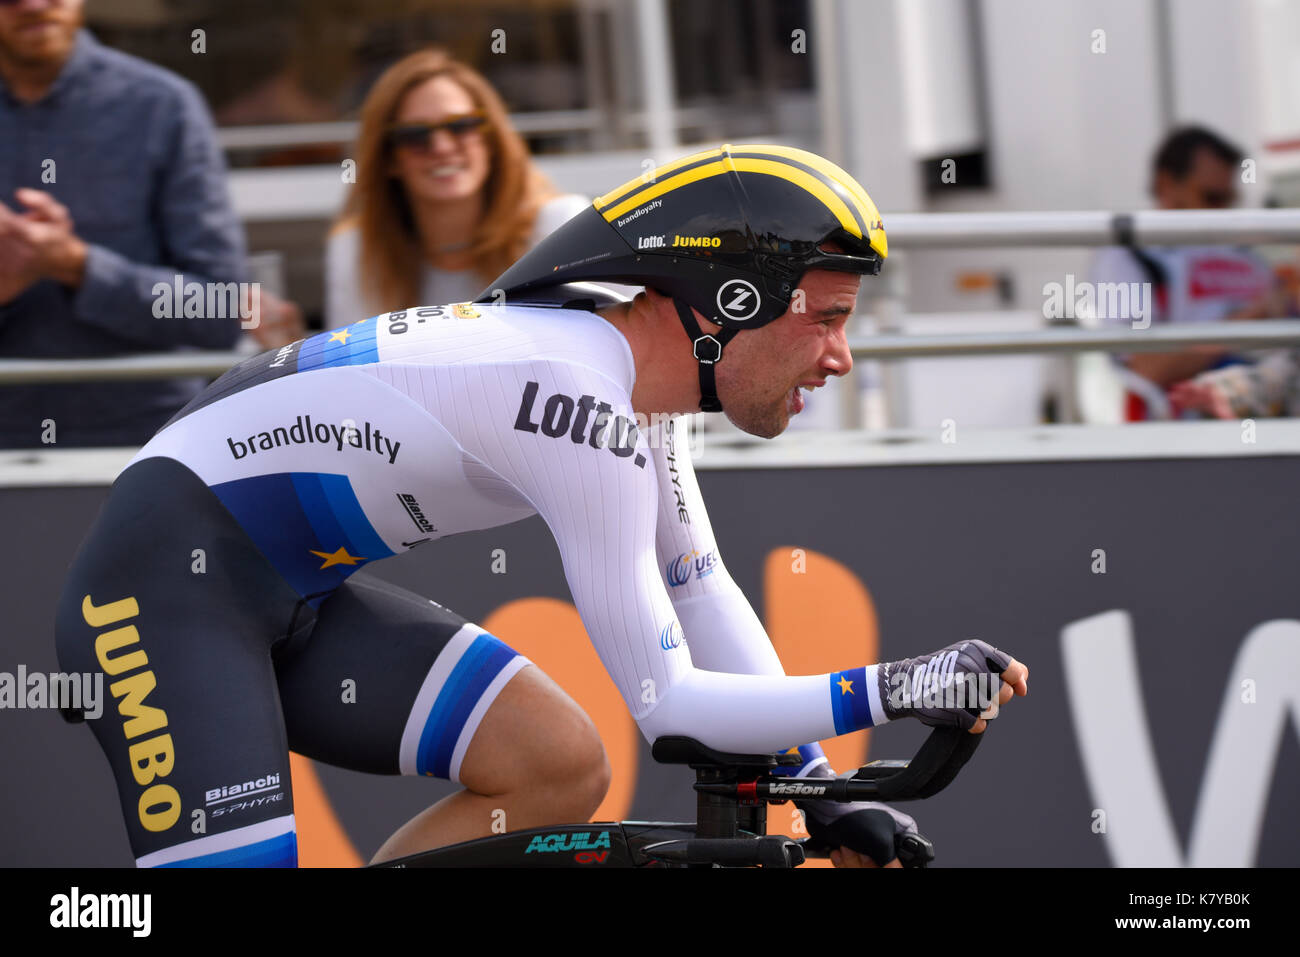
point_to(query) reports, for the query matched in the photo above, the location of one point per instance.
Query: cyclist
(217, 591)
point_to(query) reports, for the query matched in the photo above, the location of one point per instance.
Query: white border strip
(878, 715)
(38, 468)
(1055, 443)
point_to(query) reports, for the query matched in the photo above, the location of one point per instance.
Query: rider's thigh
(534, 732)
(389, 682)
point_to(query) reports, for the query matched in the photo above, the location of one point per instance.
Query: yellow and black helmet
(729, 231)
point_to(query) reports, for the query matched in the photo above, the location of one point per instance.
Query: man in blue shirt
(111, 183)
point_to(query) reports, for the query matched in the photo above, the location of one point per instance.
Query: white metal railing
(279, 135)
(918, 230)
(1153, 227)
(167, 365)
(1253, 334)
(539, 123)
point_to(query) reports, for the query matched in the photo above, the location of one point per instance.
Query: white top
(1202, 284)
(343, 299)
(1205, 283)
(416, 425)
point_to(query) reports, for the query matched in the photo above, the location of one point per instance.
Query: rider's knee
(592, 783)
(540, 740)
(584, 770)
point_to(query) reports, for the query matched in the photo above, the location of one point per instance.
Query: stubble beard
(763, 423)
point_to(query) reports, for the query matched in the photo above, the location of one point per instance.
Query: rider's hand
(861, 834)
(844, 857)
(949, 686)
(1015, 681)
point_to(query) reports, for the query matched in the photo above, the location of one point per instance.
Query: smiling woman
(446, 194)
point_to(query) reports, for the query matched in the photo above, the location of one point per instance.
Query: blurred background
(997, 475)
(1026, 106)
(940, 108)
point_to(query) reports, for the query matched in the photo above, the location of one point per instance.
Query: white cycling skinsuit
(300, 466)
(489, 414)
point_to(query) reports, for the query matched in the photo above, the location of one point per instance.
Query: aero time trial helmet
(728, 231)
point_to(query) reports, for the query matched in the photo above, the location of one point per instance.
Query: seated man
(1193, 169)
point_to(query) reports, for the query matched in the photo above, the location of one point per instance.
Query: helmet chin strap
(708, 352)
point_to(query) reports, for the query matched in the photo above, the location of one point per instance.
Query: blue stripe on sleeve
(850, 702)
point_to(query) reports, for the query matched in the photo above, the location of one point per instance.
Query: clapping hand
(38, 243)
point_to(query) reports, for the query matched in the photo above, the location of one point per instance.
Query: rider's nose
(838, 359)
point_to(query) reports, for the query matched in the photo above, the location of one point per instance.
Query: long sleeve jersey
(353, 445)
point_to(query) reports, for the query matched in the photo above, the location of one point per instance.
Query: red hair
(390, 253)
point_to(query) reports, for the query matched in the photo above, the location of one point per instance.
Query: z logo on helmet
(738, 299)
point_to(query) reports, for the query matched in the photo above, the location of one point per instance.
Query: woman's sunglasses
(419, 136)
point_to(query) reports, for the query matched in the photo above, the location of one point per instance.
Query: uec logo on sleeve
(671, 637)
(679, 570)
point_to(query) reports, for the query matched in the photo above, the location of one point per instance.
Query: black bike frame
(732, 794)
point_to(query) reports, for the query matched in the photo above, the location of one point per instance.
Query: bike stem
(719, 812)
